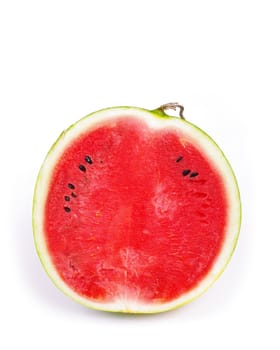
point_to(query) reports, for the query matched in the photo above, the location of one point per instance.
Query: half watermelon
(135, 211)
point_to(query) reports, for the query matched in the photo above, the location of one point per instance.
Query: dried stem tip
(173, 106)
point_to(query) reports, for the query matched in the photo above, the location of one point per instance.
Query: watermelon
(135, 211)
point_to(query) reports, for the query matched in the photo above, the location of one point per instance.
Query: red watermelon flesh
(134, 213)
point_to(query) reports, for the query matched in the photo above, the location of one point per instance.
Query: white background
(61, 60)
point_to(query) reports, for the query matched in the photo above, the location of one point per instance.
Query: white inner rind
(202, 141)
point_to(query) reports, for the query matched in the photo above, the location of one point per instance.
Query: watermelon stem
(173, 106)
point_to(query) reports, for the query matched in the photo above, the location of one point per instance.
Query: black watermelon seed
(67, 198)
(67, 209)
(186, 172)
(179, 159)
(194, 174)
(82, 168)
(73, 195)
(88, 159)
(71, 186)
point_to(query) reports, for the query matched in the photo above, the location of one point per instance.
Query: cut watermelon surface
(135, 211)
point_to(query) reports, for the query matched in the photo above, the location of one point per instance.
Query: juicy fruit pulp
(134, 214)
(139, 226)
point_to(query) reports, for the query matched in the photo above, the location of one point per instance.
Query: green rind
(160, 115)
